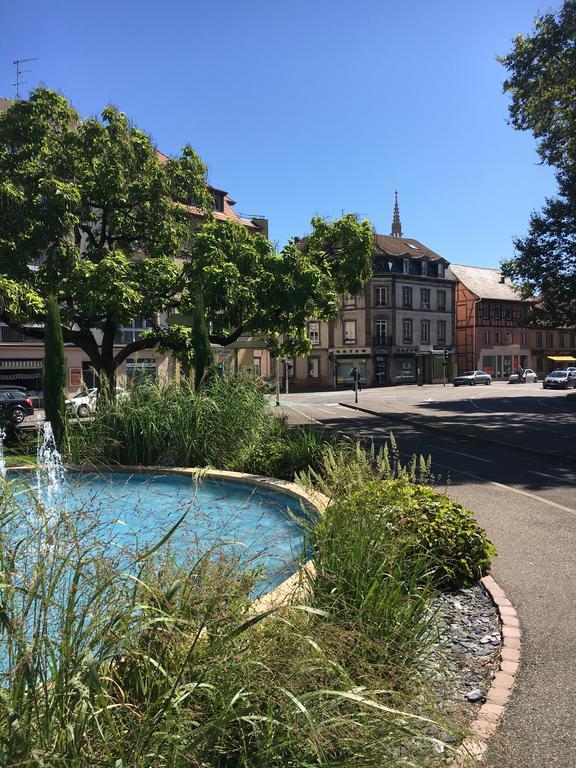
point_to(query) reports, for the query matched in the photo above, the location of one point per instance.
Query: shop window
(140, 369)
(488, 364)
(313, 367)
(405, 370)
(344, 369)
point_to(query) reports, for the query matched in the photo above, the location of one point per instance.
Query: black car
(16, 405)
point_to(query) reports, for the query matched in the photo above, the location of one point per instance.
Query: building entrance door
(380, 373)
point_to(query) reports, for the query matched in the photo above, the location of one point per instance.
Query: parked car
(529, 375)
(16, 405)
(83, 403)
(472, 378)
(559, 380)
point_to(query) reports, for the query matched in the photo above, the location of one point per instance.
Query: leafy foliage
(94, 215)
(54, 383)
(435, 534)
(542, 83)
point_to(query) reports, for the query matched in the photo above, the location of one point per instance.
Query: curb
(484, 726)
(457, 433)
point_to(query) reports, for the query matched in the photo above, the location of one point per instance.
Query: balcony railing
(382, 341)
(10, 335)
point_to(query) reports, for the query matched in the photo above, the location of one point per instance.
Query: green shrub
(429, 525)
(285, 452)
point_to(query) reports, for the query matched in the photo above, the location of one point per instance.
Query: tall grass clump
(139, 660)
(164, 423)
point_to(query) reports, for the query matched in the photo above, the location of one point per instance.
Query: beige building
(398, 331)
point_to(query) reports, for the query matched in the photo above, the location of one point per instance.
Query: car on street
(529, 375)
(471, 378)
(83, 403)
(560, 379)
(15, 405)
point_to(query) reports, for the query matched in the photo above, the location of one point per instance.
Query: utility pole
(277, 381)
(20, 72)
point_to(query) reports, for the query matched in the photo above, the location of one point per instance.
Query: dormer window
(218, 201)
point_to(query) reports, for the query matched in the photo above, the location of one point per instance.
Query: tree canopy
(92, 214)
(542, 83)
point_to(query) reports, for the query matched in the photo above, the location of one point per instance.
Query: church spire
(396, 226)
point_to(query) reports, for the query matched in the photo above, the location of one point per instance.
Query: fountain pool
(261, 528)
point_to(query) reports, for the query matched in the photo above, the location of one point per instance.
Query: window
(561, 340)
(424, 298)
(507, 312)
(485, 312)
(498, 337)
(348, 301)
(380, 328)
(132, 331)
(140, 369)
(486, 337)
(218, 201)
(573, 340)
(314, 333)
(497, 314)
(539, 339)
(381, 296)
(441, 330)
(508, 337)
(407, 331)
(350, 332)
(523, 338)
(405, 266)
(441, 299)
(407, 298)
(257, 366)
(425, 331)
(550, 339)
(313, 367)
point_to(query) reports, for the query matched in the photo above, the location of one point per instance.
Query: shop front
(405, 367)
(344, 363)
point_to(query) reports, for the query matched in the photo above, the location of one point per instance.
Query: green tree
(542, 83)
(203, 355)
(54, 372)
(93, 214)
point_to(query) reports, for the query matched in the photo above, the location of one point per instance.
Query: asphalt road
(527, 503)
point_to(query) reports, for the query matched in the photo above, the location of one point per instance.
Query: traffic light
(446, 353)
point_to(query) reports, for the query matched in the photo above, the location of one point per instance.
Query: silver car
(472, 378)
(559, 380)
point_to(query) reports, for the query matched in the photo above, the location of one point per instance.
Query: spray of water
(2, 460)
(50, 471)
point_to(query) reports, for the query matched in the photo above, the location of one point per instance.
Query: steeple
(396, 226)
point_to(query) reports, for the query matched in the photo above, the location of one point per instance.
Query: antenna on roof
(20, 72)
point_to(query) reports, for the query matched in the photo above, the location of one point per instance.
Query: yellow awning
(562, 358)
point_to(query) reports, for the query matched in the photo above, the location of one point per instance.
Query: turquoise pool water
(262, 529)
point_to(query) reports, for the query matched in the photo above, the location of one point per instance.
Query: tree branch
(229, 339)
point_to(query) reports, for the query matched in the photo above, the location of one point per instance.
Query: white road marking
(533, 496)
(461, 453)
(552, 477)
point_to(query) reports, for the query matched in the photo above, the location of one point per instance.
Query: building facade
(492, 322)
(398, 331)
(552, 348)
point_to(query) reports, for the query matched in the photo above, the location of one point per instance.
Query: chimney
(502, 278)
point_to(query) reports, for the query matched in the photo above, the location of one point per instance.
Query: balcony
(382, 341)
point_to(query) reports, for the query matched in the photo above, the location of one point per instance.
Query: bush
(427, 525)
(164, 423)
(284, 452)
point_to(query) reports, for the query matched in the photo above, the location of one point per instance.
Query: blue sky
(312, 106)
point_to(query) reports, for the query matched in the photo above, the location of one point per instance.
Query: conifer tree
(54, 372)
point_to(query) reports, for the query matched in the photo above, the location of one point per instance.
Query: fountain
(2, 459)
(50, 472)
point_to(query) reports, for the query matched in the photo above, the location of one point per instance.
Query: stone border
(484, 726)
